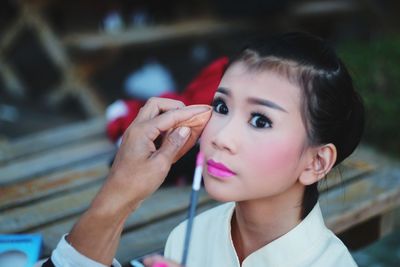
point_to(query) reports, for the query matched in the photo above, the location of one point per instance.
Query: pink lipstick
(219, 170)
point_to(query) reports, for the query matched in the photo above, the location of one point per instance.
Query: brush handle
(192, 211)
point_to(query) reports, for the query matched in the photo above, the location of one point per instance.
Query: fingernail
(184, 131)
(159, 264)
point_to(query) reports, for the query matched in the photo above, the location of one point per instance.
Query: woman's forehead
(243, 82)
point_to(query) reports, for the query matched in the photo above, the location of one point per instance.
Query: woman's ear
(322, 160)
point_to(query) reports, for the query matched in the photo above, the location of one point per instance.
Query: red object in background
(200, 91)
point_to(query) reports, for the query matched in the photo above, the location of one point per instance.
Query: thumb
(173, 142)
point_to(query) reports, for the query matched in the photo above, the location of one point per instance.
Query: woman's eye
(260, 121)
(220, 106)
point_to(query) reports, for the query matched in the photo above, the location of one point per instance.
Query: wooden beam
(41, 188)
(153, 236)
(165, 203)
(53, 138)
(361, 200)
(11, 33)
(322, 8)
(152, 34)
(12, 83)
(386, 224)
(51, 161)
(71, 81)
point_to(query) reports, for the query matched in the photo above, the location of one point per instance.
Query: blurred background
(65, 62)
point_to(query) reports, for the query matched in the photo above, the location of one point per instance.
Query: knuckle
(154, 99)
(180, 103)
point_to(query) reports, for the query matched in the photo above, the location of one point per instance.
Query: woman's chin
(218, 194)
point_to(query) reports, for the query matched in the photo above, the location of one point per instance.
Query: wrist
(111, 208)
(113, 199)
(97, 233)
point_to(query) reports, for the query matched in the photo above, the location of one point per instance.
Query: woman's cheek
(272, 157)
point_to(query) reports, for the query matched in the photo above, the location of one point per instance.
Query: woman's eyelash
(257, 119)
(216, 101)
(219, 106)
(260, 120)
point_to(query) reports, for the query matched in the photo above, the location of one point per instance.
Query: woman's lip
(218, 169)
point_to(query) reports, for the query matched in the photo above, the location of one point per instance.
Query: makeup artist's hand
(140, 165)
(159, 261)
(139, 168)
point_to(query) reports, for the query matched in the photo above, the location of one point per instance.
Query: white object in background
(113, 22)
(116, 110)
(153, 79)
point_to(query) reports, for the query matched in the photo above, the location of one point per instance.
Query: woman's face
(255, 140)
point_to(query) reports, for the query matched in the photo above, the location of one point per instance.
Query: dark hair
(332, 112)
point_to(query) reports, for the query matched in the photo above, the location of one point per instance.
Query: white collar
(299, 242)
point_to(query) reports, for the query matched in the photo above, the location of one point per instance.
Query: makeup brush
(193, 204)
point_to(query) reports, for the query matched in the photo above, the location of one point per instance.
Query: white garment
(309, 244)
(67, 256)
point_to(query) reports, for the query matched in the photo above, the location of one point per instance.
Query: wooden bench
(384, 252)
(48, 179)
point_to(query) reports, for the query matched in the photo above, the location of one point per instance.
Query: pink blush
(273, 157)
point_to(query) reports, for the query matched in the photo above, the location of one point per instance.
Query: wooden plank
(62, 211)
(152, 237)
(42, 213)
(363, 161)
(376, 193)
(22, 219)
(52, 233)
(50, 139)
(47, 162)
(384, 252)
(12, 83)
(323, 8)
(38, 188)
(386, 224)
(83, 196)
(363, 199)
(9, 36)
(350, 169)
(153, 34)
(173, 200)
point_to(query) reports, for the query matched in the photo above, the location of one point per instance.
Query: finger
(155, 106)
(159, 261)
(172, 145)
(171, 119)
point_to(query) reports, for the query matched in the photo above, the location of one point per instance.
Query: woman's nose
(225, 137)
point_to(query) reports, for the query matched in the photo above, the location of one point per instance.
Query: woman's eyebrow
(265, 102)
(224, 91)
(254, 100)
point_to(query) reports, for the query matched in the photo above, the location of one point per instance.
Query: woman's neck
(257, 223)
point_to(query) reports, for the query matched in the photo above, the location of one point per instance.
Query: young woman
(285, 113)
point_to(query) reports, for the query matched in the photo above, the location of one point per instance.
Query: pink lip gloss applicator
(193, 204)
